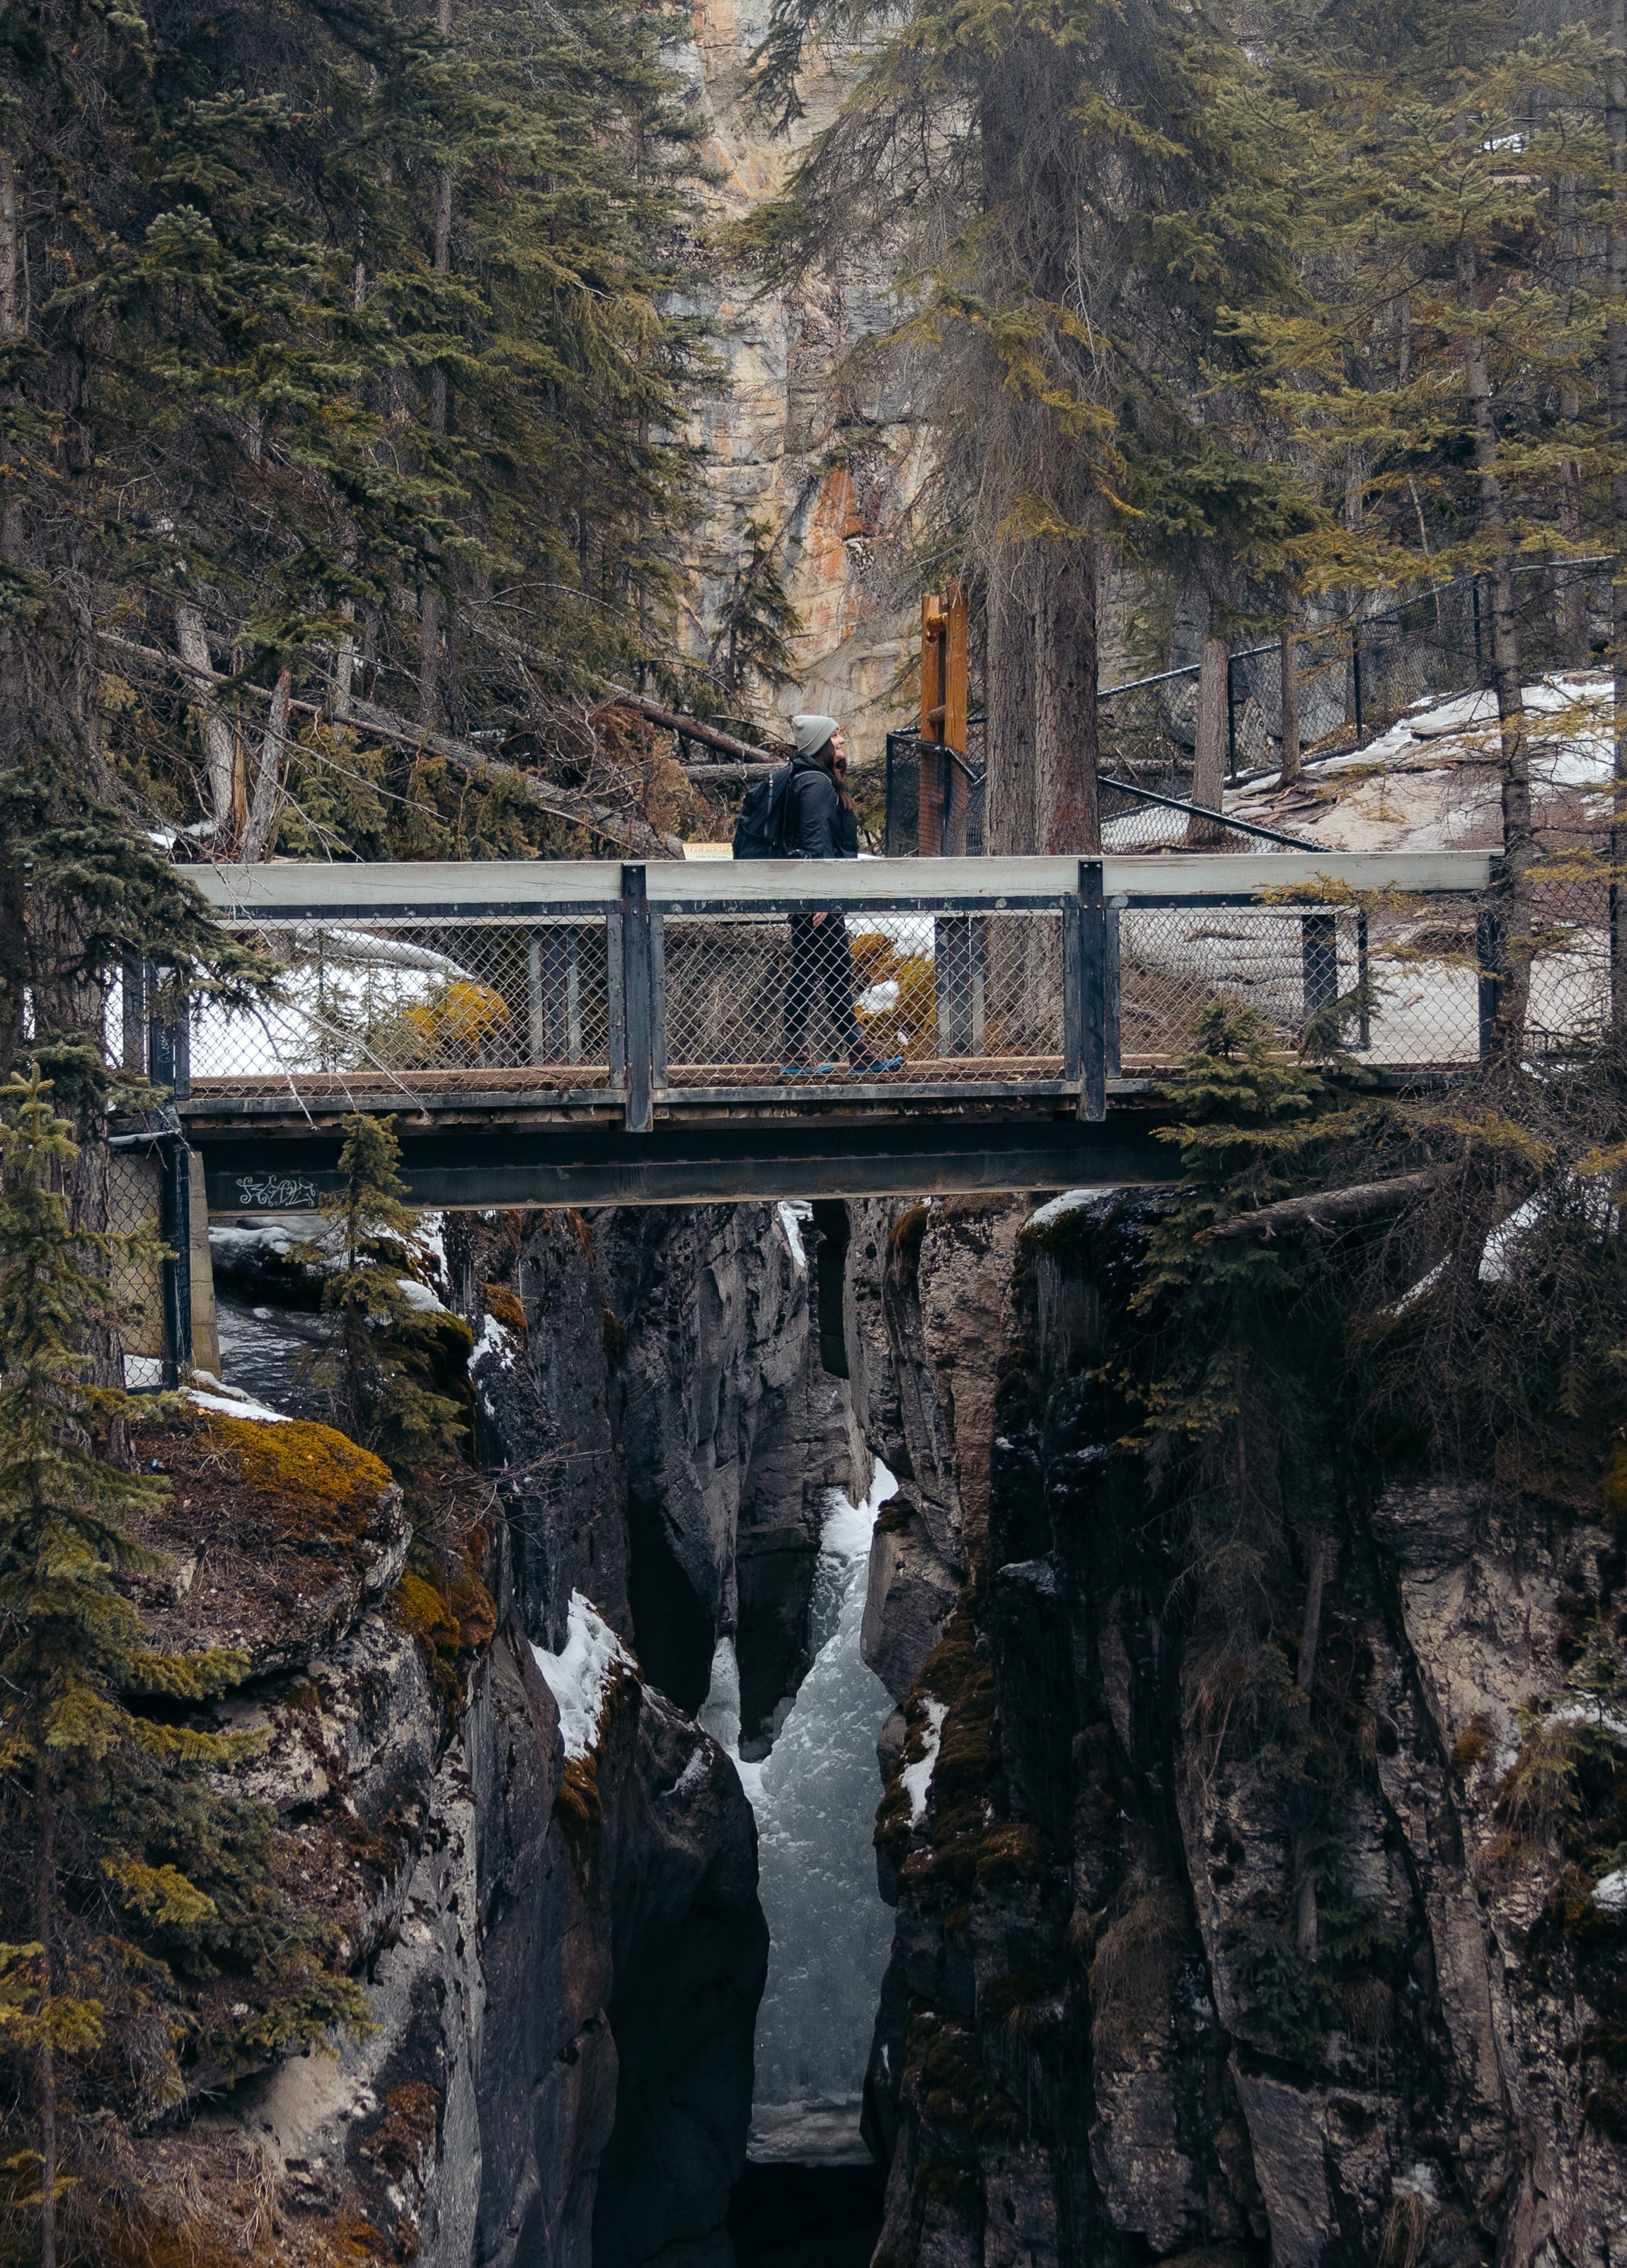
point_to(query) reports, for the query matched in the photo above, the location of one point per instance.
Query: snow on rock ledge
(207, 1392)
(580, 1674)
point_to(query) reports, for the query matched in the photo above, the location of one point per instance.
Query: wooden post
(929, 808)
(1288, 663)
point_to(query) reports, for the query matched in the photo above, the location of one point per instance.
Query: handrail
(468, 889)
(1203, 811)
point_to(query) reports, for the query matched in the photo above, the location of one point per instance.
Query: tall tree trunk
(1209, 754)
(11, 327)
(1288, 665)
(1518, 840)
(267, 778)
(428, 605)
(45, 1930)
(219, 756)
(1009, 829)
(1067, 807)
(1616, 349)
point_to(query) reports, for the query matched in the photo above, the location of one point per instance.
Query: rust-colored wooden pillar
(929, 820)
(953, 735)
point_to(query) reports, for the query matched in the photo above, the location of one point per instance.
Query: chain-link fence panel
(480, 1005)
(1568, 1000)
(911, 998)
(966, 777)
(135, 1209)
(1396, 985)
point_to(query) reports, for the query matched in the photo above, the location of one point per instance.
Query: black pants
(821, 960)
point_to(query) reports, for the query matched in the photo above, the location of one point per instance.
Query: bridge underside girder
(503, 1166)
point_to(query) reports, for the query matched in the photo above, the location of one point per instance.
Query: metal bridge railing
(629, 992)
(1356, 677)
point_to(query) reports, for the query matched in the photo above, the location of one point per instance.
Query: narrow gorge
(781, 1493)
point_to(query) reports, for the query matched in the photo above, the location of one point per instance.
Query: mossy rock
(278, 1536)
(1014, 1851)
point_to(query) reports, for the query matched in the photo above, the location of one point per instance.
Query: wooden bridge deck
(586, 1033)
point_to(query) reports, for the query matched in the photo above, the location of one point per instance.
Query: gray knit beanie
(812, 733)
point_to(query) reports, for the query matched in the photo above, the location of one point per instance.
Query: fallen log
(1330, 1209)
(690, 728)
(720, 775)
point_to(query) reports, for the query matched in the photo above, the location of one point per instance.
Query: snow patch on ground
(917, 1777)
(429, 1237)
(1427, 783)
(693, 1774)
(579, 1676)
(1584, 1712)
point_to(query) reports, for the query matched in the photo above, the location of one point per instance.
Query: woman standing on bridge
(820, 823)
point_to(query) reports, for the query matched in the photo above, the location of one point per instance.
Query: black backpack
(762, 829)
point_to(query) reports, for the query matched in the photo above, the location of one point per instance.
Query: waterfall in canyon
(814, 1796)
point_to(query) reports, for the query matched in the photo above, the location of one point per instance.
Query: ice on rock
(579, 1676)
(793, 1218)
(917, 1777)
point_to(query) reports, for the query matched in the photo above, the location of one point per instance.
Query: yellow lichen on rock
(305, 1465)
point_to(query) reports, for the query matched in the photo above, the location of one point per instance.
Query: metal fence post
(169, 1051)
(1230, 716)
(1072, 985)
(1355, 676)
(175, 1227)
(1092, 993)
(1114, 1040)
(657, 996)
(638, 999)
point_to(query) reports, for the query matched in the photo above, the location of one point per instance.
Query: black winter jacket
(815, 827)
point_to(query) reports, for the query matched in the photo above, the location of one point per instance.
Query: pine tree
(342, 347)
(751, 643)
(1443, 377)
(377, 1368)
(123, 1862)
(1063, 200)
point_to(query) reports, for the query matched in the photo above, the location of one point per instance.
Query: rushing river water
(815, 1798)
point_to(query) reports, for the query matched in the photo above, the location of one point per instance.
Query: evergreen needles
(138, 1876)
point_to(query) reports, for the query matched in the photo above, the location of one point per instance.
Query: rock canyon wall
(1094, 2042)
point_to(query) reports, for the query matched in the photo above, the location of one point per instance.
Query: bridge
(567, 1033)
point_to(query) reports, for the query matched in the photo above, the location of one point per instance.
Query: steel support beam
(702, 1164)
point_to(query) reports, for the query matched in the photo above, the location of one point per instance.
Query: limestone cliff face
(1083, 2051)
(826, 463)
